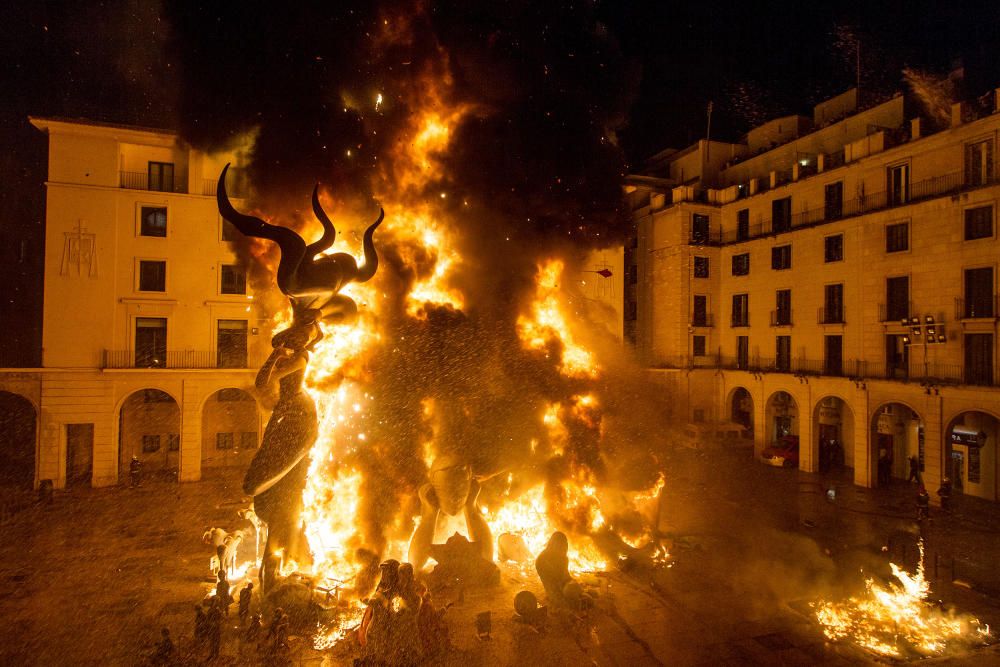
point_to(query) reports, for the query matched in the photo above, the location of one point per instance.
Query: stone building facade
(832, 281)
(149, 336)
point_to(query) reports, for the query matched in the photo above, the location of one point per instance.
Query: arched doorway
(230, 428)
(833, 432)
(18, 429)
(781, 418)
(741, 409)
(149, 428)
(971, 452)
(897, 434)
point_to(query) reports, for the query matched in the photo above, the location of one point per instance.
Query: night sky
(562, 77)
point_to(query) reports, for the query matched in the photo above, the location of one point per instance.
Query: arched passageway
(897, 433)
(741, 409)
(833, 434)
(18, 437)
(971, 453)
(230, 427)
(149, 427)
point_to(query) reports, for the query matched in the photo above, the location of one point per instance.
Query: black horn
(293, 248)
(329, 233)
(367, 270)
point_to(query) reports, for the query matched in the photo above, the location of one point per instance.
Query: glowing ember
(547, 324)
(897, 620)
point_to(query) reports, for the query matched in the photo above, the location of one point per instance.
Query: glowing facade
(148, 331)
(770, 279)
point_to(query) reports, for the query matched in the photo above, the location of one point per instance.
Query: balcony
(176, 359)
(701, 320)
(781, 318)
(740, 320)
(972, 309)
(926, 374)
(894, 311)
(877, 201)
(139, 180)
(830, 316)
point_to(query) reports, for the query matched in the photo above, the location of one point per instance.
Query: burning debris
(897, 620)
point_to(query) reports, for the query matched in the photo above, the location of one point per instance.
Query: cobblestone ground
(90, 579)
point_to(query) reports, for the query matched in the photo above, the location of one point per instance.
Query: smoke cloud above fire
(487, 133)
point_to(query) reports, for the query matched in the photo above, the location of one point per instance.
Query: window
(234, 279)
(699, 317)
(248, 440)
(698, 416)
(781, 215)
(979, 162)
(897, 356)
(152, 276)
(783, 353)
(701, 267)
(743, 352)
(897, 298)
(898, 184)
(699, 346)
(741, 264)
(833, 362)
(979, 359)
(783, 307)
(781, 257)
(633, 274)
(978, 223)
(833, 248)
(833, 200)
(153, 221)
(174, 442)
(223, 440)
(978, 293)
(161, 176)
(833, 304)
(232, 344)
(897, 237)
(699, 228)
(743, 224)
(150, 444)
(151, 342)
(741, 310)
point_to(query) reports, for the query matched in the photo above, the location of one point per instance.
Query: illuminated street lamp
(928, 332)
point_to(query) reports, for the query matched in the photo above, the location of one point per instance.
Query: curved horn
(292, 246)
(329, 233)
(367, 270)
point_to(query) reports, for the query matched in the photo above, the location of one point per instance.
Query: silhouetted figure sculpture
(451, 490)
(277, 474)
(552, 566)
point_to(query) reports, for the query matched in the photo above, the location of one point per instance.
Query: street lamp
(928, 332)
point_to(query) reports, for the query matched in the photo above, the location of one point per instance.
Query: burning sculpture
(277, 475)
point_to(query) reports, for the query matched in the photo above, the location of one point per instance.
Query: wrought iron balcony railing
(139, 180)
(925, 373)
(178, 359)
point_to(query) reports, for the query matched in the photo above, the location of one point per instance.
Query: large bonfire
(424, 370)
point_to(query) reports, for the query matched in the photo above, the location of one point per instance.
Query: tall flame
(897, 619)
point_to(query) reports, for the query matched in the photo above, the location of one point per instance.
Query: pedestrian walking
(944, 493)
(165, 652)
(200, 627)
(214, 629)
(222, 595)
(923, 504)
(914, 470)
(134, 467)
